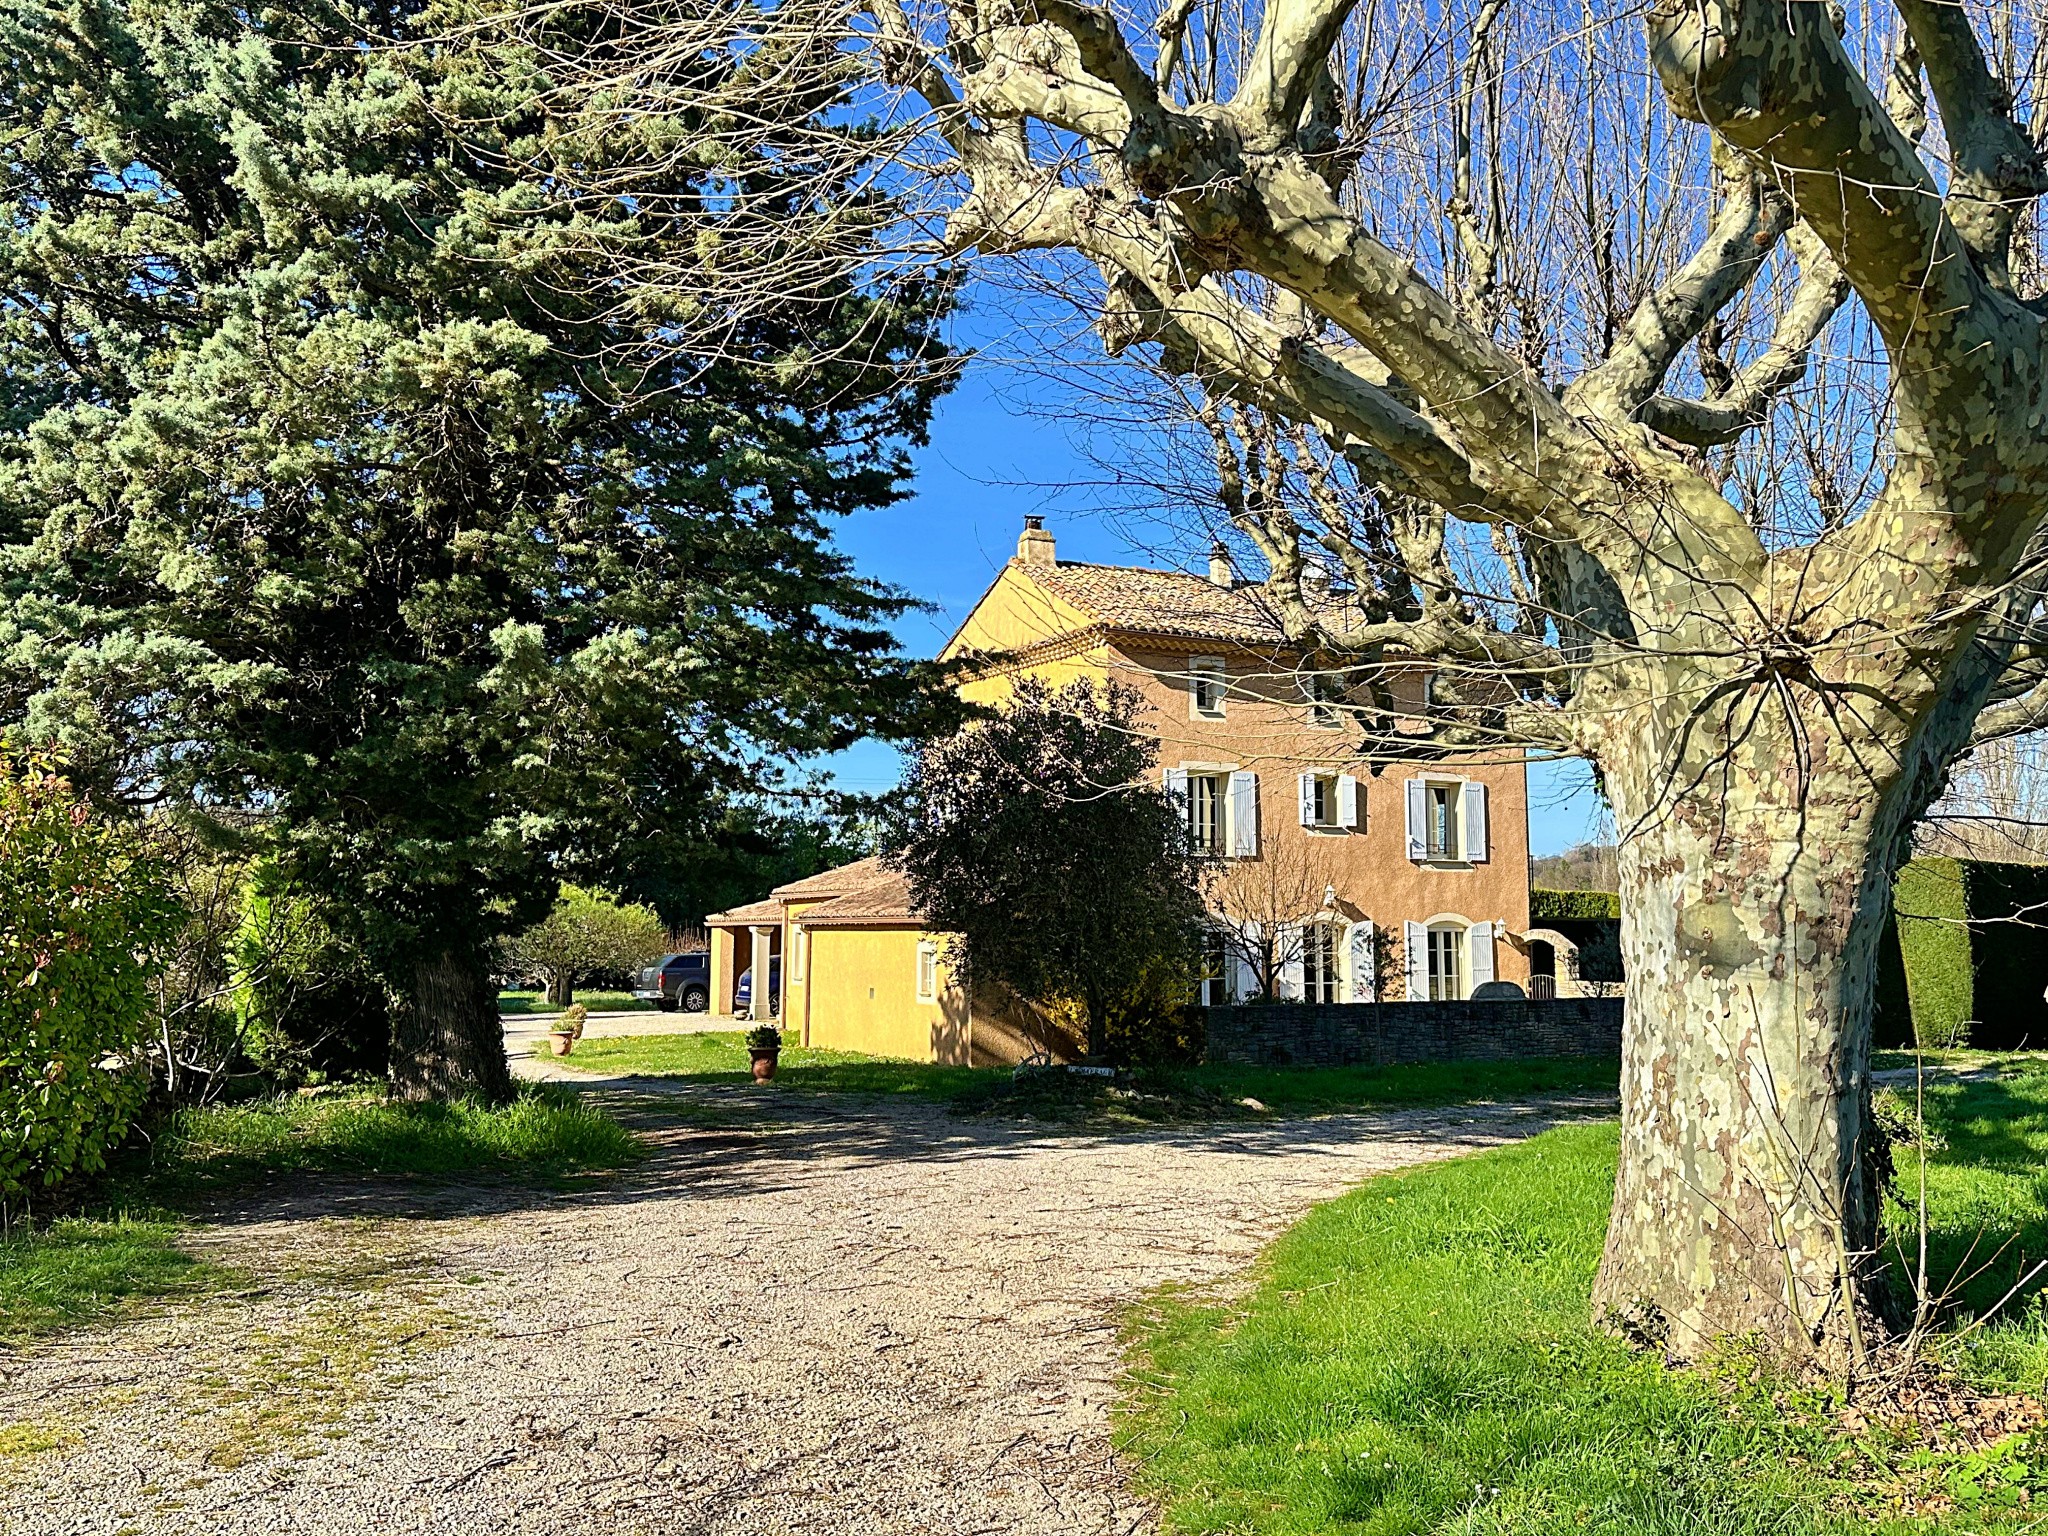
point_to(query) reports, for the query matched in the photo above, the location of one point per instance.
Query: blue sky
(987, 466)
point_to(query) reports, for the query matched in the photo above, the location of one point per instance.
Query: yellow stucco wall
(861, 995)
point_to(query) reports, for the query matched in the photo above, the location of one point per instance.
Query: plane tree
(1670, 384)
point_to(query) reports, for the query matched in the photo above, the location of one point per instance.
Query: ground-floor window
(1319, 982)
(1212, 987)
(1446, 963)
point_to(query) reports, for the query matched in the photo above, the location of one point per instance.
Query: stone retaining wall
(1376, 1034)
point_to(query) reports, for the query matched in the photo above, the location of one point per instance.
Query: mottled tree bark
(1768, 713)
(446, 1041)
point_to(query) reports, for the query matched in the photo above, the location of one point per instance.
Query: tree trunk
(446, 1041)
(1748, 1196)
(561, 988)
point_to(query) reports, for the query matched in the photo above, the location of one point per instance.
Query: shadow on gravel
(715, 1142)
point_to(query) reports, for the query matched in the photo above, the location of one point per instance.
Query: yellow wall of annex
(862, 995)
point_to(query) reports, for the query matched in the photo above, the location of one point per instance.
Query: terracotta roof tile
(769, 911)
(881, 900)
(829, 882)
(1138, 598)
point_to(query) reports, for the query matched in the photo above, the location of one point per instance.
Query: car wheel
(696, 999)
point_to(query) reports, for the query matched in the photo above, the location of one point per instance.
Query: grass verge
(517, 1003)
(1148, 1096)
(1418, 1357)
(124, 1245)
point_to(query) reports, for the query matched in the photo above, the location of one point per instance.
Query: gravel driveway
(818, 1317)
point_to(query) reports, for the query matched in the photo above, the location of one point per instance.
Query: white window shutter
(1480, 936)
(1305, 788)
(1176, 780)
(1415, 941)
(1418, 820)
(1350, 802)
(1244, 815)
(1361, 981)
(1245, 979)
(1287, 975)
(1472, 822)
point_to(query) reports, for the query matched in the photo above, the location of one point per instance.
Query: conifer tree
(369, 481)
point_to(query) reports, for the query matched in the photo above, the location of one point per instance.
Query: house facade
(1338, 876)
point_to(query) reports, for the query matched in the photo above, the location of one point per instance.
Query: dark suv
(680, 981)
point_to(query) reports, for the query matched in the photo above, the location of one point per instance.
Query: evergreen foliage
(360, 479)
(1040, 840)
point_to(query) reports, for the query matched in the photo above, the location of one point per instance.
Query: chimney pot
(1035, 546)
(1219, 566)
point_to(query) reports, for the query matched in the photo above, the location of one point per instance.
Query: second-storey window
(927, 972)
(1443, 821)
(1209, 811)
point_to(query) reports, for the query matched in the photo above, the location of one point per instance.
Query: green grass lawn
(518, 1003)
(1418, 1357)
(1151, 1096)
(124, 1244)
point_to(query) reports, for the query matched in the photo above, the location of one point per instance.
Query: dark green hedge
(1553, 906)
(1965, 962)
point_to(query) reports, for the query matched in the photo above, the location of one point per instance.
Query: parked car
(680, 981)
(743, 994)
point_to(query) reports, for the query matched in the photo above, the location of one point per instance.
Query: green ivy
(80, 907)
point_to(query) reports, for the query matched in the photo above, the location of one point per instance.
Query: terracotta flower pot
(764, 1064)
(561, 1042)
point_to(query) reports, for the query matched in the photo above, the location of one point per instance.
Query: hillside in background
(1586, 867)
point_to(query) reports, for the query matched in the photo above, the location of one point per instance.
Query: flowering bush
(80, 907)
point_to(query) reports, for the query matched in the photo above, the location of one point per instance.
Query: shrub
(1552, 906)
(764, 1037)
(1930, 906)
(571, 1021)
(80, 906)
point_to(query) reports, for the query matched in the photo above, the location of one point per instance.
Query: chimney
(1315, 579)
(1035, 546)
(1219, 566)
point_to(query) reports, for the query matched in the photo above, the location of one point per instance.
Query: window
(1323, 799)
(1212, 985)
(1319, 979)
(1324, 695)
(1447, 821)
(927, 972)
(1208, 811)
(1446, 963)
(1442, 821)
(1332, 801)
(1205, 687)
(800, 954)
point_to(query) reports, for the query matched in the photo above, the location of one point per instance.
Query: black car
(680, 981)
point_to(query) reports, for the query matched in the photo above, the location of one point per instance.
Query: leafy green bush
(1550, 906)
(80, 907)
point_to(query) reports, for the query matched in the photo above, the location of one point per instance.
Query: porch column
(764, 949)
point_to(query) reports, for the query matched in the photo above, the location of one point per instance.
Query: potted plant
(764, 1046)
(568, 1029)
